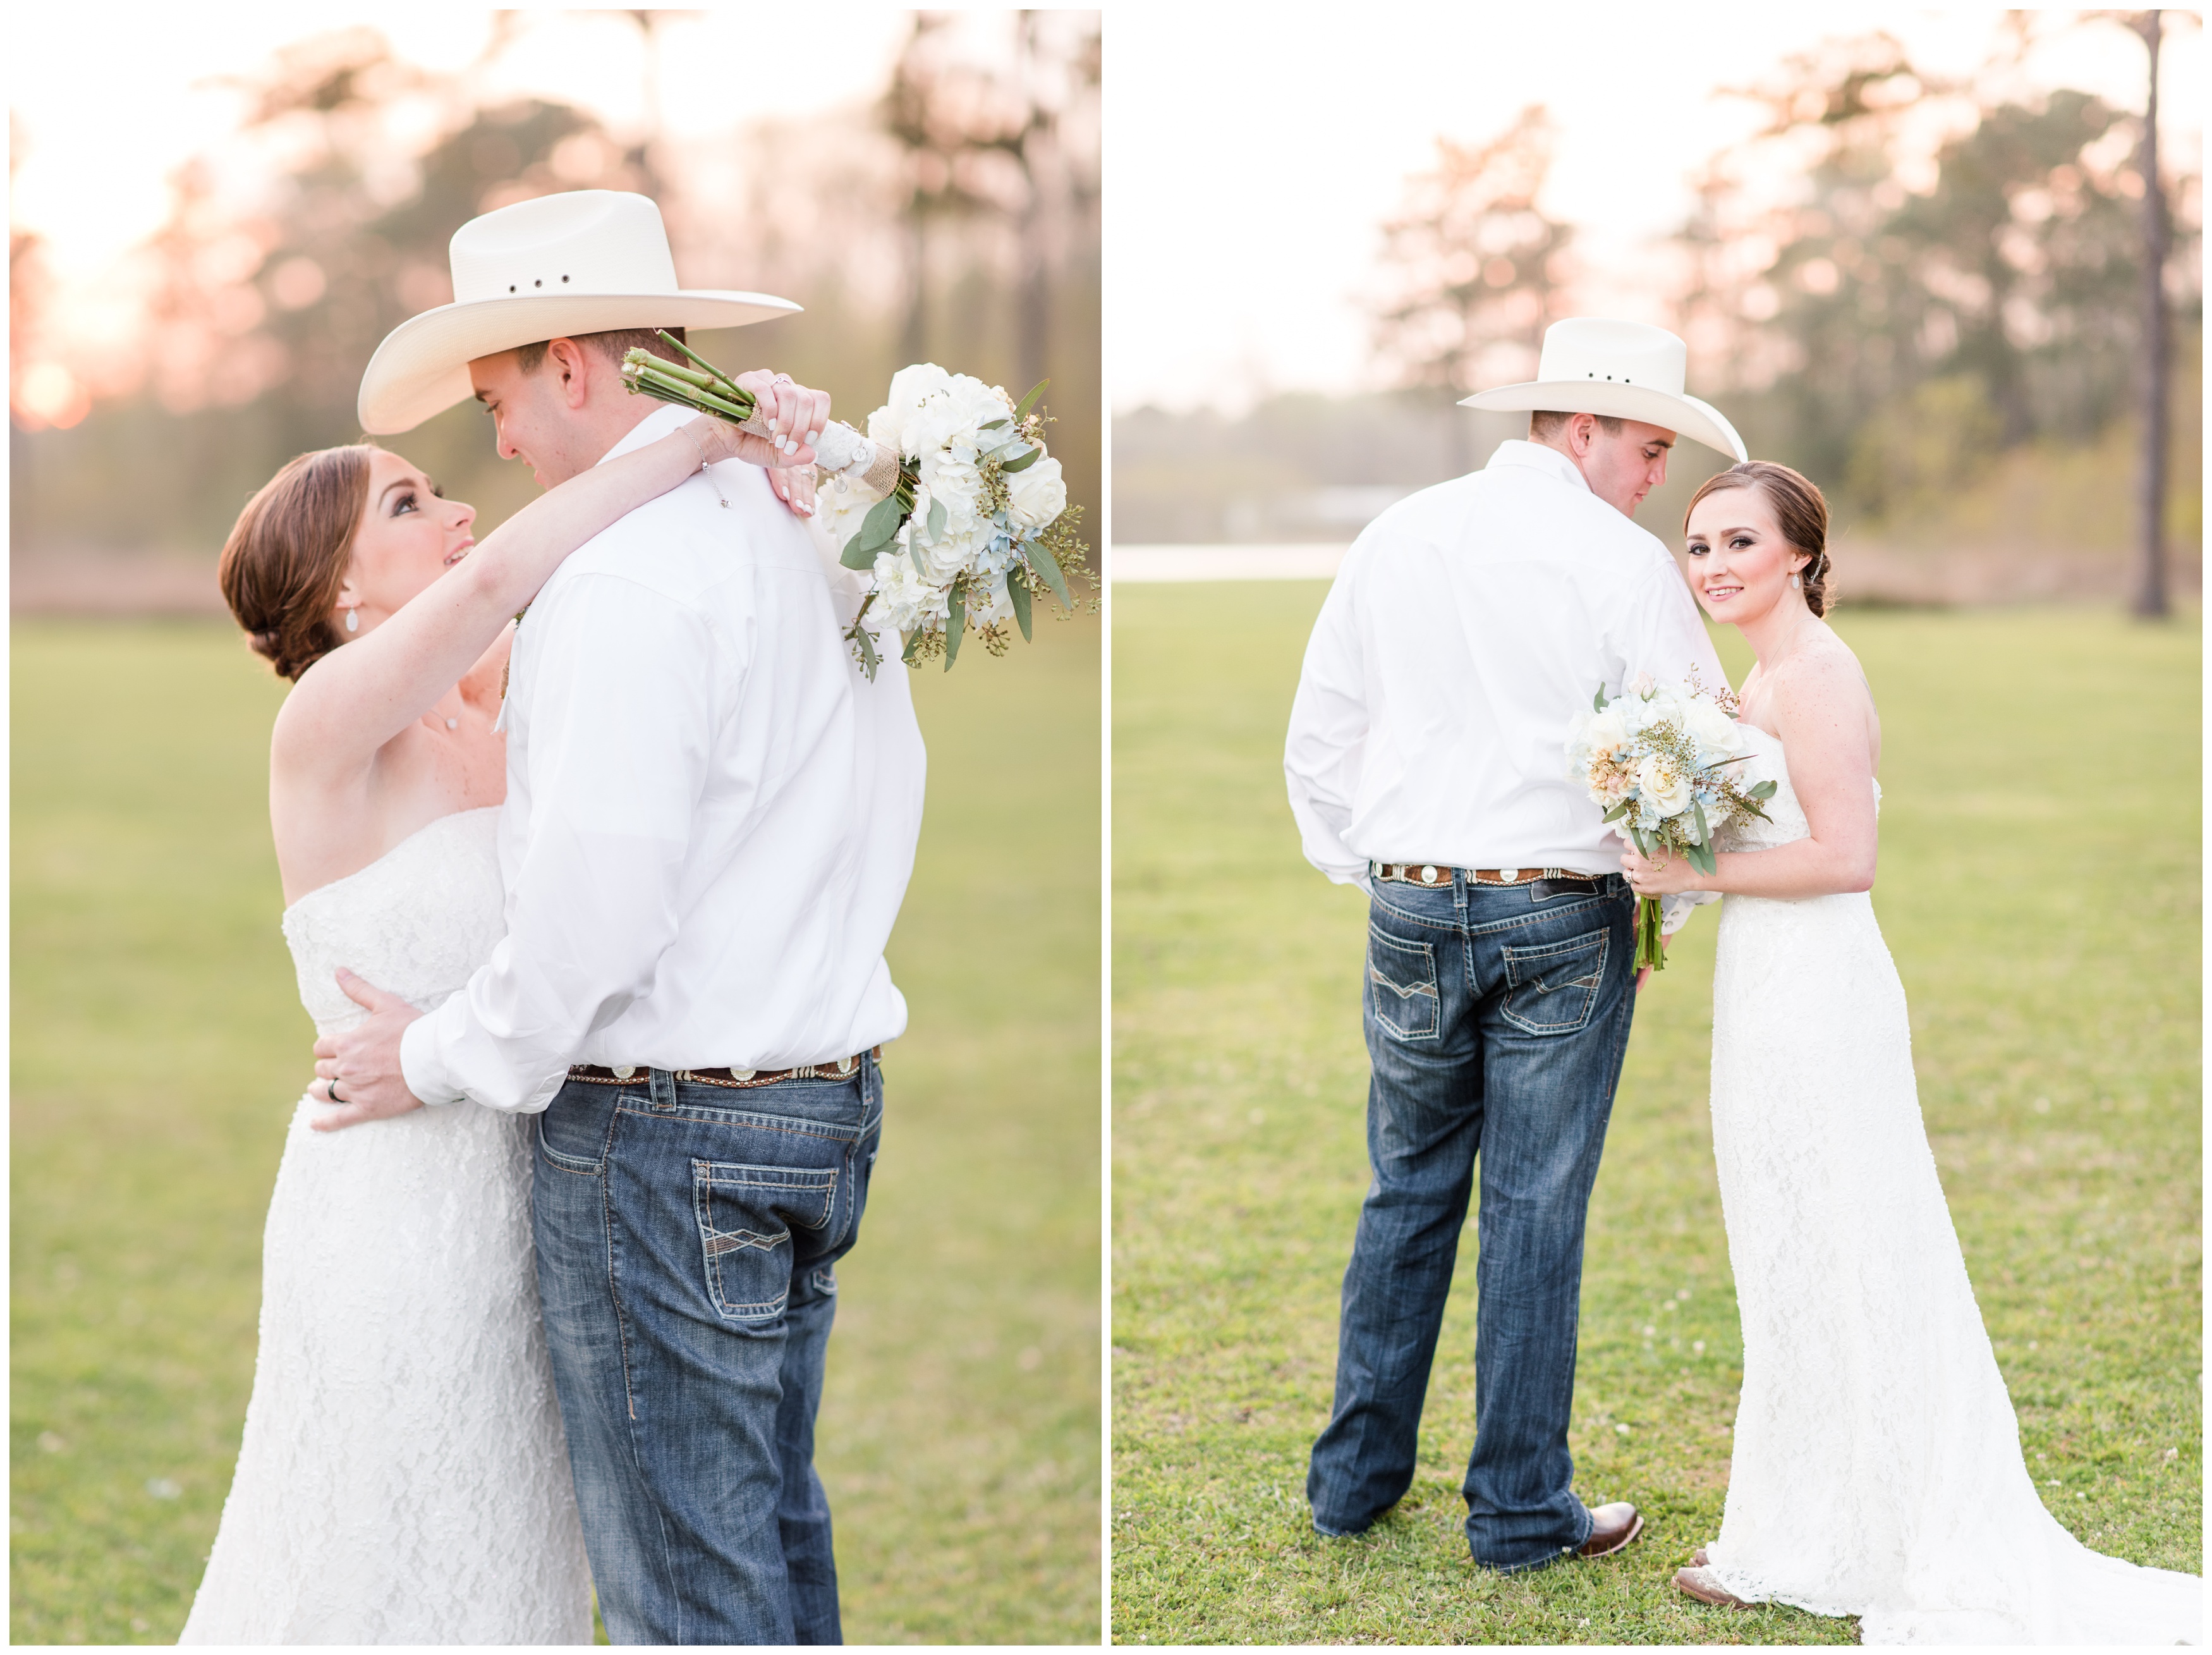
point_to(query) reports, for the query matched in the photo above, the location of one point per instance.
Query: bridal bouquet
(1657, 760)
(950, 499)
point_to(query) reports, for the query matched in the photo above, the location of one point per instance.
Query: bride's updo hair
(1798, 511)
(287, 555)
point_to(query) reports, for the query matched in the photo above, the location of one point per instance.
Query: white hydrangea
(1000, 606)
(906, 602)
(839, 509)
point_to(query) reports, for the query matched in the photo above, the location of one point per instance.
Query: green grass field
(2039, 888)
(158, 1046)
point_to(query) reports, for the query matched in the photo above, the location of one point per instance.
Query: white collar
(1538, 457)
(655, 425)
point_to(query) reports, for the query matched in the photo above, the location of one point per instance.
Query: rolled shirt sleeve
(619, 735)
(1328, 735)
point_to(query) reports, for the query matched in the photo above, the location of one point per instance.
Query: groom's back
(1469, 624)
(795, 784)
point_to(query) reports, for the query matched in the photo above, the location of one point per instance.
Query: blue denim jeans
(686, 1239)
(1496, 1024)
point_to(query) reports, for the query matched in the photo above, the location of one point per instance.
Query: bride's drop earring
(352, 614)
(1795, 583)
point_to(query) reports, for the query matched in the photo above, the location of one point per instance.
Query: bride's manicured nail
(814, 439)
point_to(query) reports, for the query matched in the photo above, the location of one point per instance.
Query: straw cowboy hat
(1623, 370)
(589, 261)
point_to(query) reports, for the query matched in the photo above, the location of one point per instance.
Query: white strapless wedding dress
(1877, 1468)
(403, 1478)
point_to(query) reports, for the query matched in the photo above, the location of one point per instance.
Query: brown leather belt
(627, 1075)
(1437, 873)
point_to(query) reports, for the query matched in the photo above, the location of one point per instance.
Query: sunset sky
(1249, 166)
(91, 173)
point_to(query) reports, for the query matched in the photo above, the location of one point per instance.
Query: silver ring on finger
(330, 1085)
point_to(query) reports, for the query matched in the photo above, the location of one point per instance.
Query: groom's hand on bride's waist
(357, 1073)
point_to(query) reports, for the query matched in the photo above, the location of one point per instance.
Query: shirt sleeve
(1329, 733)
(1665, 636)
(621, 722)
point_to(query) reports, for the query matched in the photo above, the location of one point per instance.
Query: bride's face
(1740, 563)
(408, 536)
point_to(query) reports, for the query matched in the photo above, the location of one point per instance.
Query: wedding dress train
(403, 1477)
(1877, 1468)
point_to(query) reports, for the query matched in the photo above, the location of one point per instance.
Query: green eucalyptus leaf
(912, 643)
(1017, 593)
(1597, 701)
(1022, 407)
(856, 555)
(881, 526)
(1029, 459)
(955, 623)
(936, 516)
(1042, 561)
(1705, 833)
(1763, 790)
(1619, 811)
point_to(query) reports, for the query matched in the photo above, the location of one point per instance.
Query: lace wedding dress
(1877, 1467)
(403, 1478)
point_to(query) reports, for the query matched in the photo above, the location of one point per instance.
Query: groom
(1426, 762)
(710, 820)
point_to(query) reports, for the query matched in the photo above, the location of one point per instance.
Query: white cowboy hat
(589, 261)
(1623, 370)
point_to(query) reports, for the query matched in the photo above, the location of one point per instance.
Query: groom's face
(1622, 469)
(556, 417)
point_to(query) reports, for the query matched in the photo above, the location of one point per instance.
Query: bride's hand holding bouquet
(950, 499)
(1657, 759)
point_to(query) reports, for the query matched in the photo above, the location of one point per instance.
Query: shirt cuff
(421, 1064)
(1675, 910)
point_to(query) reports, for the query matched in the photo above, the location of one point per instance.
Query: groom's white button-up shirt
(711, 816)
(1468, 626)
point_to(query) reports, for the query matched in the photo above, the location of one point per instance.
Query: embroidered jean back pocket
(1401, 986)
(1551, 988)
(746, 1214)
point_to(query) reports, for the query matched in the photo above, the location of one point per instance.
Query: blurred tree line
(956, 219)
(1927, 295)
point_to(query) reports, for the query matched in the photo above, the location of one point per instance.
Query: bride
(1877, 1467)
(403, 1477)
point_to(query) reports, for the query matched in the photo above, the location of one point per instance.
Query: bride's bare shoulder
(1822, 690)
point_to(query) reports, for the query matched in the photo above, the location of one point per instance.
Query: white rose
(1663, 791)
(1037, 494)
(1714, 731)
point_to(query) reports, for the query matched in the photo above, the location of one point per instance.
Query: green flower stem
(688, 396)
(1649, 949)
(736, 391)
